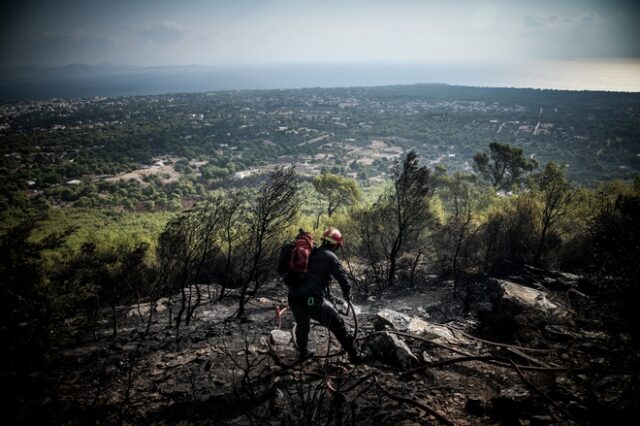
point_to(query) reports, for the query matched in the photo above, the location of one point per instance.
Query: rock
(253, 349)
(396, 320)
(526, 300)
(541, 420)
(143, 308)
(280, 337)
(426, 357)
(436, 332)
(414, 325)
(131, 346)
(519, 311)
(389, 349)
(356, 308)
(162, 304)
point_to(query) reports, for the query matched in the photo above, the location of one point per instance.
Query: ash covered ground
(534, 349)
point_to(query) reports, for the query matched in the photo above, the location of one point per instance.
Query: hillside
(139, 238)
(571, 368)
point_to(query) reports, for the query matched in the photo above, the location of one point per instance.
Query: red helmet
(333, 236)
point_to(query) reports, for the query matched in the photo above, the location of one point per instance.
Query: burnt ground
(567, 367)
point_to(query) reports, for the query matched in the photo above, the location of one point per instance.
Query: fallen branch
(528, 357)
(422, 339)
(503, 362)
(494, 360)
(358, 383)
(441, 418)
(546, 397)
(449, 362)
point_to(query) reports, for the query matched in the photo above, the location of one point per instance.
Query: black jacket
(323, 265)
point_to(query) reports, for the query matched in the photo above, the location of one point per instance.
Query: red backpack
(293, 263)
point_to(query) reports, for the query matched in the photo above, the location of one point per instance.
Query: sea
(618, 75)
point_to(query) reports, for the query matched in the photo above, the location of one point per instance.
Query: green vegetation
(504, 167)
(162, 153)
(425, 222)
(106, 229)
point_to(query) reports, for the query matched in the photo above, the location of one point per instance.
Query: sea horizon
(82, 81)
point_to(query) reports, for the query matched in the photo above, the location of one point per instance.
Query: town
(159, 152)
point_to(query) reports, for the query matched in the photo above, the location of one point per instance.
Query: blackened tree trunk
(411, 192)
(271, 212)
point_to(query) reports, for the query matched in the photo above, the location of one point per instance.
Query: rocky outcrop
(389, 349)
(519, 300)
(415, 325)
(520, 311)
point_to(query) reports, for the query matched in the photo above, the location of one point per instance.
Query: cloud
(533, 21)
(547, 20)
(589, 17)
(164, 32)
(585, 35)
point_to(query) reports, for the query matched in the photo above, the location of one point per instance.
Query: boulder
(520, 311)
(396, 320)
(527, 301)
(389, 349)
(414, 325)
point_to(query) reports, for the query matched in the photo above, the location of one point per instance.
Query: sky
(236, 32)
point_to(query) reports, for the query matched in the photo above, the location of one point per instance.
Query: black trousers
(305, 308)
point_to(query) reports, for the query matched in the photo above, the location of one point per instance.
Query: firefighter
(307, 301)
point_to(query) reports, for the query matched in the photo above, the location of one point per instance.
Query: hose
(355, 320)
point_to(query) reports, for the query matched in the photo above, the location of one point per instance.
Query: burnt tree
(271, 210)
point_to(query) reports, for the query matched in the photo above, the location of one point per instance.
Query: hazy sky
(164, 32)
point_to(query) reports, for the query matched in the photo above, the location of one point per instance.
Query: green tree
(398, 219)
(554, 192)
(460, 195)
(504, 166)
(336, 191)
